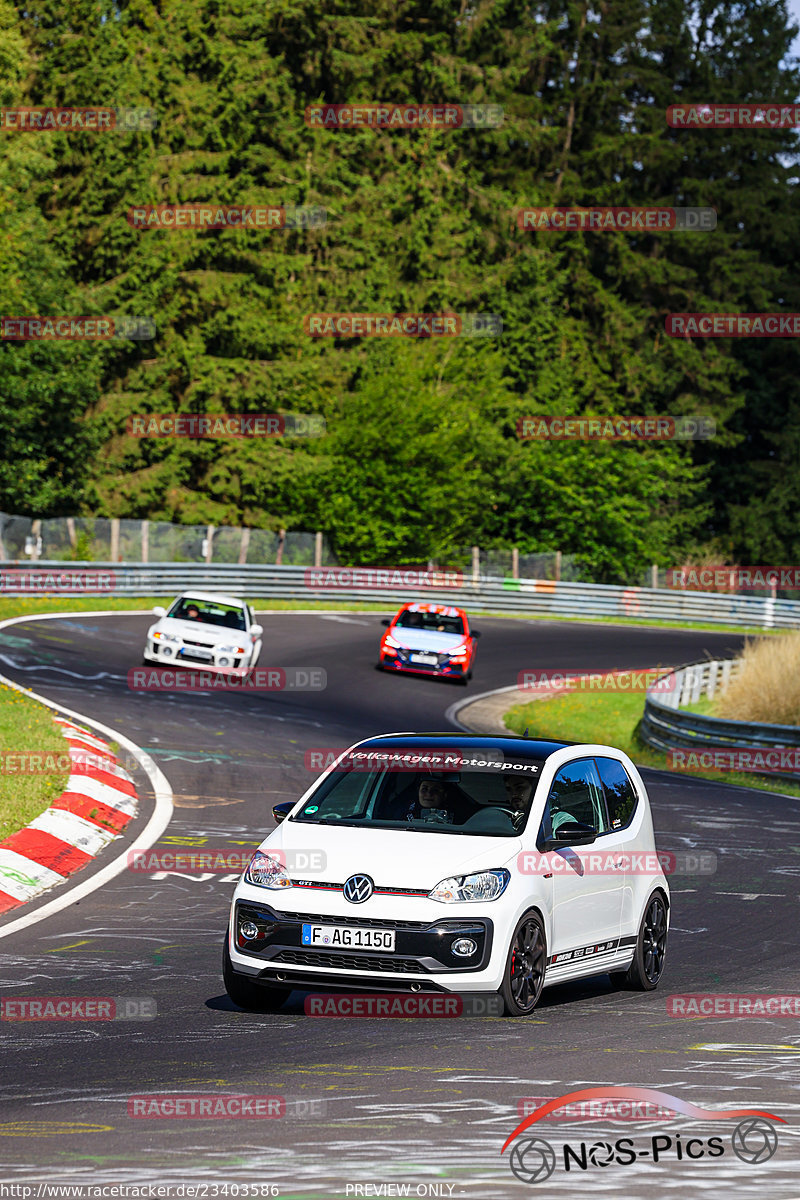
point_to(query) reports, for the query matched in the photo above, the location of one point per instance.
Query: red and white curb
(162, 792)
(98, 803)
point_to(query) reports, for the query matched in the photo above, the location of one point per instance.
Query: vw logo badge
(358, 888)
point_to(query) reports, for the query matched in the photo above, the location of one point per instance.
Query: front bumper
(179, 655)
(422, 960)
(401, 661)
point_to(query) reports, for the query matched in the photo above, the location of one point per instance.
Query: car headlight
(389, 641)
(230, 650)
(265, 871)
(457, 651)
(484, 885)
(165, 637)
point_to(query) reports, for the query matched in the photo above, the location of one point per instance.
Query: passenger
(431, 803)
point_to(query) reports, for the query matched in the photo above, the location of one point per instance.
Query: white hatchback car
(447, 863)
(219, 633)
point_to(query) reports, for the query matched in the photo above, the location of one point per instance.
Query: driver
(430, 803)
(192, 613)
(519, 792)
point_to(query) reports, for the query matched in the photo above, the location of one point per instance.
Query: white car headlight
(265, 871)
(230, 650)
(484, 885)
(389, 641)
(165, 637)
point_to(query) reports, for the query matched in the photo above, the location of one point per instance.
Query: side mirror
(571, 833)
(159, 611)
(476, 633)
(256, 631)
(386, 621)
(281, 811)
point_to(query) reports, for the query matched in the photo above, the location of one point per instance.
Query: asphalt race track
(423, 1103)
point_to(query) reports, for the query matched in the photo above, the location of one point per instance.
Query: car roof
(445, 610)
(514, 747)
(213, 597)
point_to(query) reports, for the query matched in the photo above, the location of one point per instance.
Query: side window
(620, 793)
(576, 794)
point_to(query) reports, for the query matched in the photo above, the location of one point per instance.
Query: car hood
(198, 632)
(426, 639)
(393, 858)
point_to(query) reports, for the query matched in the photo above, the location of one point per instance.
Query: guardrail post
(726, 672)
(654, 576)
(243, 547)
(145, 541)
(115, 539)
(515, 562)
(557, 572)
(318, 548)
(476, 564)
(209, 543)
(769, 611)
(73, 540)
(713, 675)
(279, 551)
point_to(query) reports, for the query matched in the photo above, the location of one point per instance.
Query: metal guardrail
(665, 727)
(541, 597)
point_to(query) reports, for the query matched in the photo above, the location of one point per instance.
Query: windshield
(208, 612)
(430, 622)
(470, 803)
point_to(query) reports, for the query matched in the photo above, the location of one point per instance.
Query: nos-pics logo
(754, 1139)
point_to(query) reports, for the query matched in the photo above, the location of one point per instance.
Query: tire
(523, 977)
(252, 997)
(647, 967)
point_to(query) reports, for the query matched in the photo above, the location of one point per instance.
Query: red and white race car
(429, 639)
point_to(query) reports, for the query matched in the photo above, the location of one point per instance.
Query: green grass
(21, 606)
(612, 719)
(26, 725)
(701, 708)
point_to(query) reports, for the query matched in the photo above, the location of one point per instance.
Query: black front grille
(205, 645)
(350, 962)
(189, 657)
(330, 919)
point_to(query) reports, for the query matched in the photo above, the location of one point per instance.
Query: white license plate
(431, 659)
(333, 936)
(196, 652)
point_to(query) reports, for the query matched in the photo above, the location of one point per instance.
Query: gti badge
(358, 888)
